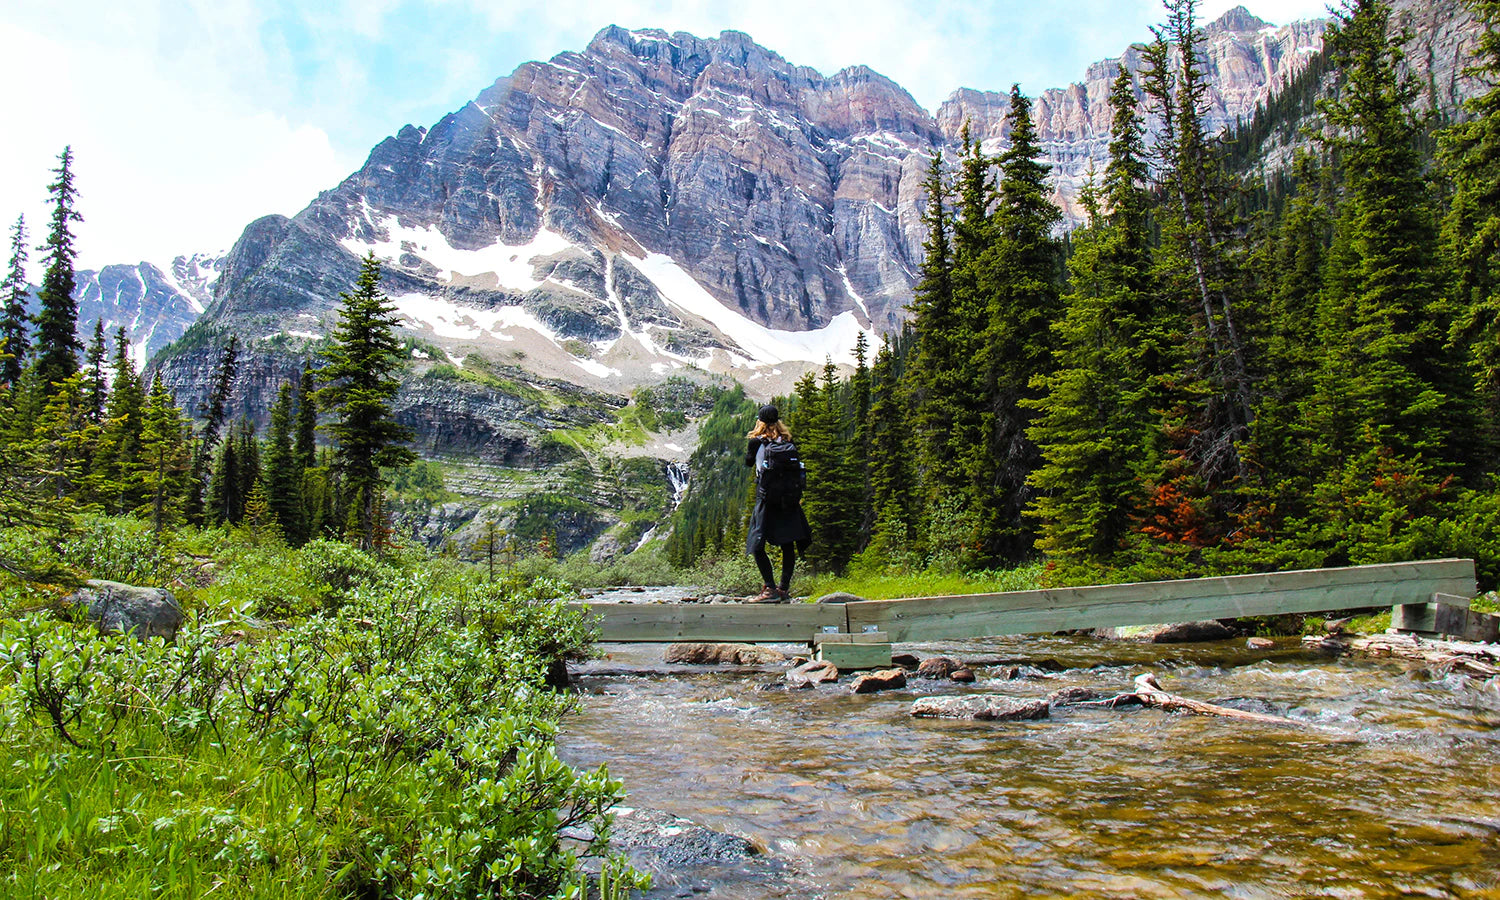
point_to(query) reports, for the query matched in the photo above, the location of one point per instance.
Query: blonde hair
(774, 431)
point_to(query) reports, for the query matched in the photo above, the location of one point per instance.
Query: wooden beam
(1147, 603)
(755, 623)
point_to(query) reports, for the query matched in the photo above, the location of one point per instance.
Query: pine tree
(1019, 278)
(282, 477)
(215, 410)
(57, 344)
(96, 384)
(307, 419)
(15, 322)
(892, 495)
(162, 467)
(119, 443)
(1471, 230)
(359, 381)
(1096, 426)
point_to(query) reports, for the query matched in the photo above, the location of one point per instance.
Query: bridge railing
(1047, 610)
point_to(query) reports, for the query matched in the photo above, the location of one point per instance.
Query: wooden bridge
(1040, 611)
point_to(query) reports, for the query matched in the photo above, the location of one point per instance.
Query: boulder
(938, 667)
(1070, 695)
(124, 608)
(841, 597)
(722, 655)
(810, 673)
(962, 676)
(1174, 633)
(884, 680)
(984, 707)
(905, 661)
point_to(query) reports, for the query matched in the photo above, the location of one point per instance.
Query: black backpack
(781, 473)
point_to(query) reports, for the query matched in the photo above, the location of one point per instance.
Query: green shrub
(121, 549)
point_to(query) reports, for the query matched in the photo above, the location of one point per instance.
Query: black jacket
(775, 525)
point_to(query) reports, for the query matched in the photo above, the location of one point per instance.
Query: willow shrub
(400, 746)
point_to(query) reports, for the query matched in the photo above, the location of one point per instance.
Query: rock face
(122, 609)
(154, 306)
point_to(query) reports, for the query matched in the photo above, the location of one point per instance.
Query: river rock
(987, 708)
(722, 655)
(906, 661)
(1175, 633)
(815, 672)
(1069, 695)
(841, 597)
(962, 676)
(1260, 643)
(124, 608)
(884, 680)
(937, 667)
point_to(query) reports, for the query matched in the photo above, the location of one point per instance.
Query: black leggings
(788, 562)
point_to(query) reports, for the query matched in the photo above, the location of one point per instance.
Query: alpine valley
(587, 253)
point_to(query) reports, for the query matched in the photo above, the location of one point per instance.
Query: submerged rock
(980, 707)
(938, 667)
(722, 655)
(810, 673)
(1173, 633)
(1260, 643)
(124, 608)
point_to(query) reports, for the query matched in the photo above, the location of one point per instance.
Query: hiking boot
(767, 594)
(786, 595)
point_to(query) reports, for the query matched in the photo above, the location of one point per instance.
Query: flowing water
(1390, 787)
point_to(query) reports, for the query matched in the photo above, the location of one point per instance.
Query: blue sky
(190, 118)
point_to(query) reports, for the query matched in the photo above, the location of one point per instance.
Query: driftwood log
(1465, 657)
(1148, 692)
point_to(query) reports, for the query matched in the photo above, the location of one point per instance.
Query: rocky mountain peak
(1237, 21)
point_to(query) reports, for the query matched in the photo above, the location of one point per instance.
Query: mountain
(154, 306)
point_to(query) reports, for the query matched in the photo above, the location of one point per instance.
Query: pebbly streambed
(1392, 789)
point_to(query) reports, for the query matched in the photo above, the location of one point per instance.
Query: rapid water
(1392, 786)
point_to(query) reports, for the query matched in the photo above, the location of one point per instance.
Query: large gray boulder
(120, 608)
(709, 654)
(987, 708)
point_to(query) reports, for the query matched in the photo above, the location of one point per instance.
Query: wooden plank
(1442, 618)
(856, 656)
(864, 637)
(666, 622)
(1146, 603)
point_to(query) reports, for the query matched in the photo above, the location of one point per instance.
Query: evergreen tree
(57, 344)
(307, 419)
(119, 443)
(831, 500)
(96, 384)
(15, 323)
(1097, 427)
(890, 464)
(282, 476)
(859, 389)
(1019, 277)
(162, 467)
(1471, 229)
(63, 434)
(359, 381)
(215, 410)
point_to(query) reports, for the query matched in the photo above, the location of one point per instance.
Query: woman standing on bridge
(778, 518)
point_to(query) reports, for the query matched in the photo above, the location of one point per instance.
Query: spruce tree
(119, 443)
(96, 385)
(282, 471)
(1096, 426)
(57, 344)
(306, 448)
(15, 322)
(1019, 278)
(215, 410)
(162, 468)
(359, 381)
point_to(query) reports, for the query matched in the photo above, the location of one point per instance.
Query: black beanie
(768, 414)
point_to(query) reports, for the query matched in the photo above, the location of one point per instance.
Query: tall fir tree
(119, 443)
(162, 468)
(306, 447)
(57, 344)
(215, 412)
(1097, 427)
(359, 380)
(96, 382)
(1019, 277)
(15, 322)
(282, 475)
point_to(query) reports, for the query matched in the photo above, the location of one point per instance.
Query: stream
(1391, 788)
